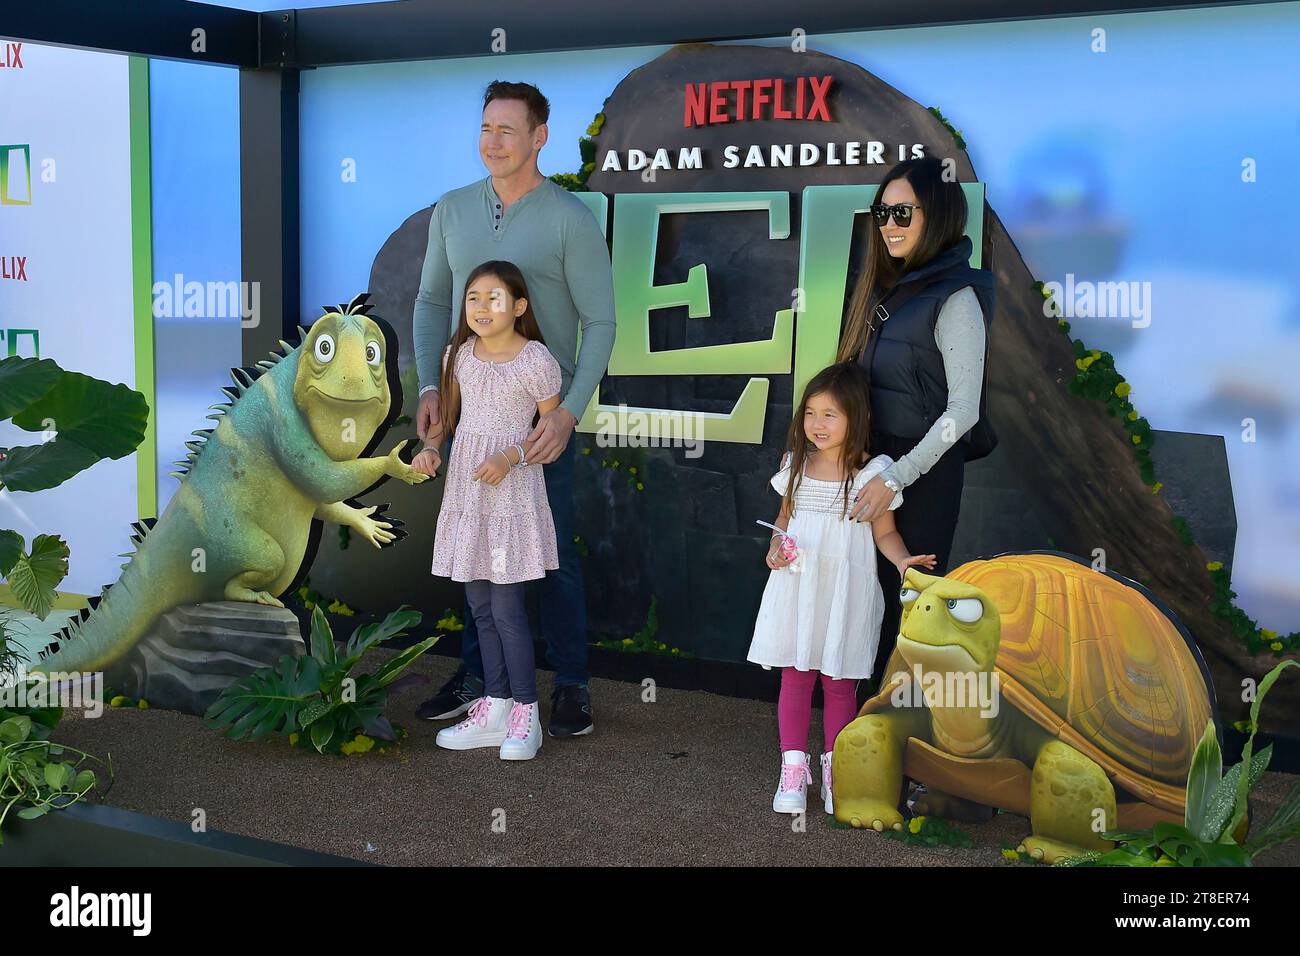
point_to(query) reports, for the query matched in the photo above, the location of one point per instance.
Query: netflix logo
(803, 98)
(13, 57)
(13, 268)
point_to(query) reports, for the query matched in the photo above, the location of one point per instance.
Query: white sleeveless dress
(823, 611)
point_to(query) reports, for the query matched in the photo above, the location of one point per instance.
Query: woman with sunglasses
(917, 321)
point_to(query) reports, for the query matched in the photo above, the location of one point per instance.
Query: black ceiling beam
(155, 28)
(432, 29)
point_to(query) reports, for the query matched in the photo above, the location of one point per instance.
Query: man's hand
(872, 501)
(493, 469)
(550, 436)
(428, 413)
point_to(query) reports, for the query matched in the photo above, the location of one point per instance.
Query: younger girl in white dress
(822, 607)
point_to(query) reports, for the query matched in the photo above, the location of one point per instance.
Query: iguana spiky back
(286, 449)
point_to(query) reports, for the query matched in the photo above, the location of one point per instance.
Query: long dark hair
(943, 206)
(848, 385)
(525, 325)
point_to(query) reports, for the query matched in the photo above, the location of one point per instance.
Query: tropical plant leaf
(268, 700)
(34, 576)
(1122, 856)
(11, 549)
(321, 733)
(1244, 784)
(24, 381)
(393, 667)
(106, 419)
(314, 711)
(15, 730)
(1203, 777)
(322, 638)
(1282, 826)
(1224, 798)
(366, 636)
(37, 467)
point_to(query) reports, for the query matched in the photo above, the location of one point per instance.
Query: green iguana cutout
(287, 448)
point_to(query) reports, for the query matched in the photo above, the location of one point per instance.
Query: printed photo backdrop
(1078, 192)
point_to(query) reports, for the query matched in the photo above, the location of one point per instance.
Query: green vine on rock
(956, 133)
(1099, 380)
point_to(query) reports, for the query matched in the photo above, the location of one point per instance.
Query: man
(517, 214)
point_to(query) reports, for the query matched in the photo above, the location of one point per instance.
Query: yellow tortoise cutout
(1033, 683)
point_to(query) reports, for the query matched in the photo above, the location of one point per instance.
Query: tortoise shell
(1091, 658)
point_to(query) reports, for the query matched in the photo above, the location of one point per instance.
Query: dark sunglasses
(902, 213)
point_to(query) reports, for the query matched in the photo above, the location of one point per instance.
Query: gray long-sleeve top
(959, 333)
(558, 246)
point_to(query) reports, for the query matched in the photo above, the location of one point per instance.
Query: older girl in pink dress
(495, 529)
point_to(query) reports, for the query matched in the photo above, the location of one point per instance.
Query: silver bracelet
(522, 460)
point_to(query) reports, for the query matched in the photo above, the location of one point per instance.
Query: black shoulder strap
(892, 302)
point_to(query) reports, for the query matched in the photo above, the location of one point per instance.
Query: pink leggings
(794, 707)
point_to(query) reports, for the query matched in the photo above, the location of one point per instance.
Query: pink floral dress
(503, 533)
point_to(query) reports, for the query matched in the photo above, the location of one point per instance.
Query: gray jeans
(505, 639)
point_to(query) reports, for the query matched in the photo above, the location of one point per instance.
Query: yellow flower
(361, 744)
(1214, 566)
(586, 451)
(1078, 363)
(1044, 291)
(914, 824)
(1095, 354)
(1137, 439)
(1060, 323)
(1133, 415)
(627, 640)
(143, 704)
(1010, 855)
(1122, 389)
(293, 739)
(119, 701)
(1276, 645)
(632, 470)
(676, 650)
(1155, 489)
(1269, 634)
(640, 487)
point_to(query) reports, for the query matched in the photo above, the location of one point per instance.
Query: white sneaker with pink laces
(792, 791)
(523, 733)
(484, 726)
(826, 783)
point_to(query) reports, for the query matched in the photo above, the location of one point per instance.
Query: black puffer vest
(909, 390)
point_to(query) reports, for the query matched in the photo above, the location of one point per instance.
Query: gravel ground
(687, 779)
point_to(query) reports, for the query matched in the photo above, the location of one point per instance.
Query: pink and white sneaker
(826, 783)
(523, 733)
(792, 791)
(484, 726)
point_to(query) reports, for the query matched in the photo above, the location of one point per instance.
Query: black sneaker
(570, 711)
(453, 699)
